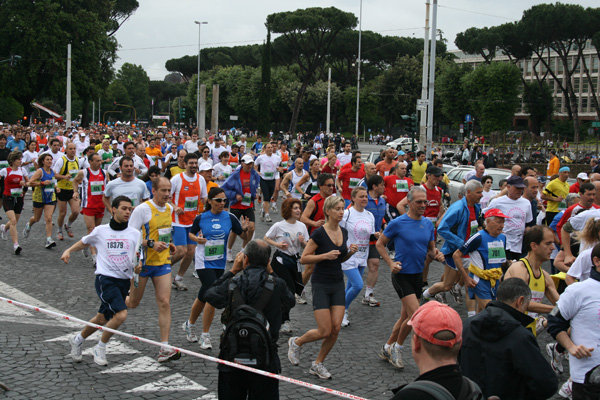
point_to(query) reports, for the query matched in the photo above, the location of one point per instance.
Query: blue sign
(462, 126)
(468, 117)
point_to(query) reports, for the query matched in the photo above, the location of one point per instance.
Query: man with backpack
(254, 300)
(435, 345)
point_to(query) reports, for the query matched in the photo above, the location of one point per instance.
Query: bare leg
(207, 317)
(337, 314)
(162, 288)
(411, 303)
(197, 308)
(48, 212)
(187, 259)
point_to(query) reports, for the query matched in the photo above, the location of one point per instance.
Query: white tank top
(295, 179)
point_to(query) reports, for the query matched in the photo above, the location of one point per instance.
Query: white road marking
(172, 383)
(140, 364)
(112, 347)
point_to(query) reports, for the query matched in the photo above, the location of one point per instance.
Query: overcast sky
(160, 30)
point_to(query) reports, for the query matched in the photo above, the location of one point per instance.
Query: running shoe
(425, 299)
(76, 349)
(100, 355)
(69, 230)
(205, 342)
(441, 298)
(456, 294)
(274, 206)
(370, 301)
(60, 235)
(94, 258)
(3, 232)
(261, 214)
(195, 274)
(268, 218)
(190, 332)
(385, 354)
(556, 358)
(319, 370)
(396, 357)
(26, 230)
(178, 284)
(566, 390)
(229, 255)
(286, 327)
(540, 325)
(50, 243)
(18, 249)
(293, 351)
(301, 299)
(86, 251)
(168, 355)
(345, 321)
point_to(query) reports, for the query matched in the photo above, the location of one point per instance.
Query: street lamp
(198, 78)
(358, 61)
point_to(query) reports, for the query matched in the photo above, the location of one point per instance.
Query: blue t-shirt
(257, 147)
(12, 145)
(149, 186)
(215, 228)
(411, 239)
(378, 211)
(485, 251)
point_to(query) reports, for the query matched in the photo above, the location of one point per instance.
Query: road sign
(462, 126)
(468, 117)
(233, 117)
(595, 124)
(422, 102)
(462, 130)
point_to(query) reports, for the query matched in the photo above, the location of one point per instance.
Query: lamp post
(198, 78)
(358, 74)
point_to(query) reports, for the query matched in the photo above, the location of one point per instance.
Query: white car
(404, 144)
(457, 174)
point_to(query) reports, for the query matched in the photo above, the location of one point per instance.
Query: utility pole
(68, 86)
(431, 77)
(423, 111)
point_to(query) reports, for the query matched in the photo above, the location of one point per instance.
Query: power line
(476, 12)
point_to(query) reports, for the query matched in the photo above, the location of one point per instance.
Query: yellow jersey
(159, 230)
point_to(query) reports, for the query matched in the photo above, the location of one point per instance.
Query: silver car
(404, 144)
(457, 174)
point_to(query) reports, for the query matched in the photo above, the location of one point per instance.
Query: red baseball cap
(434, 317)
(494, 212)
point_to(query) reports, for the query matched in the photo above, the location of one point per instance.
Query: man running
(267, 165)
(117, 253)
(66, 169)
(397, 186)
(139, 168)
(349, 178)
(188, 191)
(154, 216)
(126, 185)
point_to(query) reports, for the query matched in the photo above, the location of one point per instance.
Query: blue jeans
(355, 284)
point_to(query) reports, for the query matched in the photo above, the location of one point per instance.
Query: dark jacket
(251, 284)
(489, 161)
(449, 376)
(503, 357)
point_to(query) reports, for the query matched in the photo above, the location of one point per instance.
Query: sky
(159, 30)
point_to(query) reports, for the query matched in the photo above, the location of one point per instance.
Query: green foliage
(538, 103)
(449, 90)
(10, 110)
(492, 91)
(136, 83)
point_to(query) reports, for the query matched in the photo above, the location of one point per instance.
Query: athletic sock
(49, 238)
(16, 245)
(79, 339)
(471, 314)
(369, 291)
(178, 278)
(190, 324)
(427, 294)
(101, 344)
(398, 346)
(387, 347)
(69, 224)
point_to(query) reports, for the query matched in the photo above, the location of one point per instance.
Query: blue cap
(401, 153)
(565, 169)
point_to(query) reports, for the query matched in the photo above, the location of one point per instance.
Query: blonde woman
(327, 249)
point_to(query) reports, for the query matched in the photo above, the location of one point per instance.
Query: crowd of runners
(172, 198)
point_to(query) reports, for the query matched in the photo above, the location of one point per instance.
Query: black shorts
(326, 295)
(248, 213)
(37, 204)
(112, 293)
(207, 277)
(268, 188)
(407, 284)
(373, 252)
(12, 203)
(64, 195)
(391, 213)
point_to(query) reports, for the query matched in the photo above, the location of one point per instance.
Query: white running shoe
(319, 370)
(301, 299)
(190, 332)
(566, 390)
(50, 243)
(286, 327)
(293, 351)
(345, 321)
(76, 349)
(100, 355)
(205, 342)
(168, 355)
(86, 251)
(556, 358)
(274, 206)
(268, 218)
(26, 231)
(229, 255)
(3, 232)
(396, 359)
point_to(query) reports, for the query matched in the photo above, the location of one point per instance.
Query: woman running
(360, 225)
(30, 157)
(289, 237)
(327, 249)
(222, 170)
(15, 180)
(211, 230)
(311, 178)
(488, 193)
(44, 197)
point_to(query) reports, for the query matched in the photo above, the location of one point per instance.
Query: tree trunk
(297, 105)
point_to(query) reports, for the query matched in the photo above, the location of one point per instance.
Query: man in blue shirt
(414, 240)
(377, 207)
(17, 143)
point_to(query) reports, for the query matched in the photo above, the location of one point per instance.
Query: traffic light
(182, 113)
(413, 124)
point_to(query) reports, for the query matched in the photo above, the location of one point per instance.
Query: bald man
(595, 177)
(515, 170)
(370, 170)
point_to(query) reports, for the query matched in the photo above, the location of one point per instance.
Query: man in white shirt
(267, 164)
(126, 185)
(191, 146)
(54, 151)
(242, 142)
(138, 164)
(344, 158)
(81, 142)
(217, 150)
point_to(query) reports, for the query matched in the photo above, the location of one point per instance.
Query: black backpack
(246, 339)
(469, 390)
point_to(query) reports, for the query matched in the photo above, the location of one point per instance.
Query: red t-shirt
(472, 227)
(328, 170)
(41, 142)
(574, 188)
(396, 189)
(245, 179)
(383, 168)
(434, 200)
(350, 180)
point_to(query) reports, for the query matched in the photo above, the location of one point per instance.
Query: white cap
(115, 142)
(206, 166)
(247, 159)
(583, 176)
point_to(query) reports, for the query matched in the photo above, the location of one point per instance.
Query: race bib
(562, 206)
(386, 173)
(16, 192)
(496, 252)
(214, 250)
(234, 165)
(3, 164)
(401, 185)
(363, 248)
(474, 226)
(49, 189)
(164, 235)
(269, 175)
(353, 183)
(226, 174)
(191, 204)
(247, 200)
(97, 188)
(73, 172)
(314, 187)
(432, 219)
(31, 168)
(284, 164)
(134, 201)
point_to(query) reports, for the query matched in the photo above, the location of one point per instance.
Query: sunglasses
(219, 200)
(330, 185)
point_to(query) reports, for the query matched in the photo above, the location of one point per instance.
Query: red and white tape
(188, 352)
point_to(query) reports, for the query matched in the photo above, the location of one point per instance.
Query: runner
(139, 168)
(54, 151)
(234, 157)
(414, 241)
(93, 183)
(211, 230)
(30, 157)
(360, 225)
(376, 206)
(267, 164)
(349, 178)
(222, 170)
(291, 189)
(107, 155)
(153, 217)
(188, 191)
(66, 169)
(327, 248)
(126, 185)
(15, 179)
(44, 197)
(397, 186)
(386, 166)
(289, 237)
(555, 192)
(312, 188)
(113, 274)
(4, 152)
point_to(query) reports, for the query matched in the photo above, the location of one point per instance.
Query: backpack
(468, 391)
(246, 339)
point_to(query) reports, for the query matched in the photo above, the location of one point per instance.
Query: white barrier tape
(188, 352)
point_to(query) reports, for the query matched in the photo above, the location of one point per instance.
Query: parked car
(404, 144)
(457, 174)
(372, 157)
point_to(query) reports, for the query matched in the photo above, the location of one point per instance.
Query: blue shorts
(450, 262)
(181, 236)
(112, 293)
(483, 290)
(150, 271)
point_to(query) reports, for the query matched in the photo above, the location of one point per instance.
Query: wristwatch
(150, 243)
